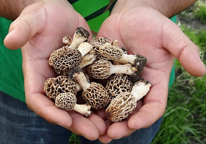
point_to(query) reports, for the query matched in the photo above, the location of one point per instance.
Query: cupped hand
(39, 30)
(145, 31)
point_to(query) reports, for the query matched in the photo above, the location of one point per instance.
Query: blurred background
(184, 121)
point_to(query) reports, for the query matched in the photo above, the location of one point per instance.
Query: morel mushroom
(113, 52)
(80, 35)
(66, 58)
(125, 103)
(93, 93)
(102, 69)
(117, 84)
(68, 102)
(60, 84)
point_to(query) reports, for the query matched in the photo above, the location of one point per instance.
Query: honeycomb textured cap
(120, 107)
(118, 83)
(99, 69)
(97, 43)
(66, 101)
(96, 96)
(60, 84)
(64, 58)
(111, 52)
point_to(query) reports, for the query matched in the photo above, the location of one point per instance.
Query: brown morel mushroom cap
(60, 84)
(97, 43)
(124, 104)
(102, 69)
(120, 107)
(94, 94)
(68, 102)
(117, 84)
(64, 59)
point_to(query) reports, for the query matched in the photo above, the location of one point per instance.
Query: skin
(143, 27)
(34, 30)
(144, 30)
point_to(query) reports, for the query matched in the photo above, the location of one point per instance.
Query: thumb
(177, 43)
(30, 22)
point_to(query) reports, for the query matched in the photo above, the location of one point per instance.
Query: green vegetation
(200, 11)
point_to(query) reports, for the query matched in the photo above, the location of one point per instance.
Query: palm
(44, 25)
(145, 31)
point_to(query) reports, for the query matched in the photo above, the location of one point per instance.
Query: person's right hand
(39, 30)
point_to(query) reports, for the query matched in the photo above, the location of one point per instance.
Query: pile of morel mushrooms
(103, 74)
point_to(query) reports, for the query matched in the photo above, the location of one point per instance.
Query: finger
(99, 123)
(105, 139)
(154, 107)
(119, 129)
(45, 108)
(84, 126)
(182, 48)
(25, 26)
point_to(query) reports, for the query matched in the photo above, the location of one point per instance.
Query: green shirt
(11, 75)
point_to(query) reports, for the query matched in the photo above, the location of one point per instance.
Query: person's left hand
(145, 31)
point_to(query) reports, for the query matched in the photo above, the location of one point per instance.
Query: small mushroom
(80, 35)
(102, 69)
(68, 102)
(60, 84)
(113, 52)
(67, 40)
(93, 93)
(65, 58)
(117, 84)
(125, 103)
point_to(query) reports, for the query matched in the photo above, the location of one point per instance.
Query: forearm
(11, 9)
(170, 8)
(167, 7)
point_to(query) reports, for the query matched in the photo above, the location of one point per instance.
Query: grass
(184, 121)
(200, 11)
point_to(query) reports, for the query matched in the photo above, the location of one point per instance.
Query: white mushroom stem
(87, 60)
(80, 36)
(119, 69)
(140, 89)
(67, 101)
(82, 109)
(84, 48)
(78, 87)
(82, 80)
(127, 58)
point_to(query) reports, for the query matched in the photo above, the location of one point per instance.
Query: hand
(39, 30)
(145, 31)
